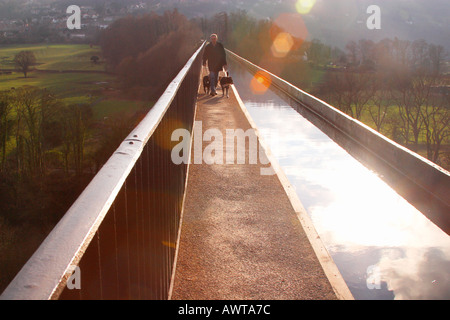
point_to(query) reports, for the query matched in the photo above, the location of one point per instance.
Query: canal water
(383, 246)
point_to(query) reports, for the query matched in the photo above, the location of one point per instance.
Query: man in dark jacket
(216, 57)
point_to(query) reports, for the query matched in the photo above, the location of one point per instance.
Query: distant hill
(335, 22)
(340, 21)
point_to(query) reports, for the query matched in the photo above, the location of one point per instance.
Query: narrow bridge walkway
(240, 236)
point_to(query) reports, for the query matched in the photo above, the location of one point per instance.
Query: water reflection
(362, 221)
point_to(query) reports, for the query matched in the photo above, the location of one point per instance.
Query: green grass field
(55, 57)
(70, 87)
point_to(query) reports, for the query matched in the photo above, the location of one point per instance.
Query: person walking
(215, 56)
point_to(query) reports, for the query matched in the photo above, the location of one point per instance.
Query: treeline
(148, 51)
(49, 151)
(41, 169)
(397, 87)
(34, 123)
(41, 136)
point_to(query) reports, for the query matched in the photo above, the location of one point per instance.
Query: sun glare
(304, 6)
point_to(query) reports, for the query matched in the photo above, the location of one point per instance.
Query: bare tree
(352, 49)
(366, 50)
(409, 113)
(76, 121)
(95, 59)
(400, 51)
(24, 60)
(34, 108)
(437, 56)
(357, 90)
(318, 52)
(383, 54)
(436, 117)
(5, 124)
(419, 56)
(331, 90)
(380, 101)
(30, 109)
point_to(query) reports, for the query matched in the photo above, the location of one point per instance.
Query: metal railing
(119, 237)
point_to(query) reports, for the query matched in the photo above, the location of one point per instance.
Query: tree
(437, 56)
(132, 36)
(352, 49)
(318, 52)
(141, 61)
(357, 90)
(436, 117)
(76, 120)
(24, 60)
(34, 111)
(5, 124)
(380, 101)
(419, 56)
(33, 107)
(95, 59)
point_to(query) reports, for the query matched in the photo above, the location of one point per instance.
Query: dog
(206, 84)
(225, 83)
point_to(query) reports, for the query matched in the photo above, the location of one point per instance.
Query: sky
(334, 22)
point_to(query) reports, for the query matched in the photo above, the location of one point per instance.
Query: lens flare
(304, 6)
(287, 33)
(282, 45)
(260, 82)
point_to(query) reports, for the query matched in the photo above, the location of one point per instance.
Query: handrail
(46, 273)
